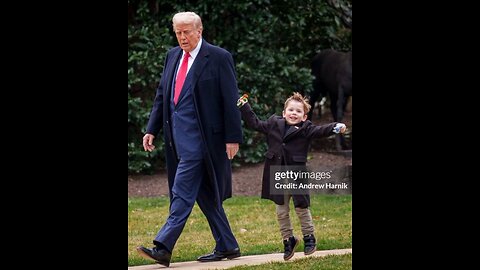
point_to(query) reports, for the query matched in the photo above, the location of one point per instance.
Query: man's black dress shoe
(161, 256)
(220, 255)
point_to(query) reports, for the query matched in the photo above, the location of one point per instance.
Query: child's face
(294, 113)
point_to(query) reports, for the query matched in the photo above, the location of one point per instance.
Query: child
(288, 140)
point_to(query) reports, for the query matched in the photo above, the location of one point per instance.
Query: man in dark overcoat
(202, 131)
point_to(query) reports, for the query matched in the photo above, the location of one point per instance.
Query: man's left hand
(232, 149)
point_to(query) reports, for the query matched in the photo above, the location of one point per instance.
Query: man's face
(187, 36)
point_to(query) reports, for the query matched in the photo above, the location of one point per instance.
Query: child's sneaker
(310, 245)
(290, 245)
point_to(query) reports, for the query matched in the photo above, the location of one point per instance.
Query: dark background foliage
(272, 43)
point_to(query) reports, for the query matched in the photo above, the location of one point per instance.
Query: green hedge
(272, 43)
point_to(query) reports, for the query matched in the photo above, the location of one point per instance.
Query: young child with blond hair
(288, 139)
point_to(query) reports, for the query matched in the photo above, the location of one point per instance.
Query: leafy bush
(147, 44)
(272, 45)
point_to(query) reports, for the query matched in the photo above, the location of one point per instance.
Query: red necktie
(182, 73)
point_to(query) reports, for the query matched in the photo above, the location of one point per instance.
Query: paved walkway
(243, 260)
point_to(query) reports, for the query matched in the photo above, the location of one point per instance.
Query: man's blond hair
(187, 17)
(298, 97)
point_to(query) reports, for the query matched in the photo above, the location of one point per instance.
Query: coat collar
(292, 131)
(200, 61)
(281, 125)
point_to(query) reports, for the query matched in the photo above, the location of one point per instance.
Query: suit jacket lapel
(195, 70)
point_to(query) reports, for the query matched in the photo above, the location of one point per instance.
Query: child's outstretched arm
(249, 117)
(327, 130)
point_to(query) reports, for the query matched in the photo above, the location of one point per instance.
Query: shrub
(272, 45)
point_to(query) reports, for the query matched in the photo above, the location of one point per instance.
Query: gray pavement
(243, 260)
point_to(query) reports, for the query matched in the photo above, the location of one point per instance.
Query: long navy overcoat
(215, 93)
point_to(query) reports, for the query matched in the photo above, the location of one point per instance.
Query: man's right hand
(148, 142)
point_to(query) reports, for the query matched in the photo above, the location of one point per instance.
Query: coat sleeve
(252, 121)
(229, 90)
(155, 121)
(321, 131)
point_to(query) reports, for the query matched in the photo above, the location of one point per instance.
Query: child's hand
(242, 100)
(340, 128)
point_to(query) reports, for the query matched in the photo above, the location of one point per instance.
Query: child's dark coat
(291, 147)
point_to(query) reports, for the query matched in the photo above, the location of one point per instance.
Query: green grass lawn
(253, 221)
